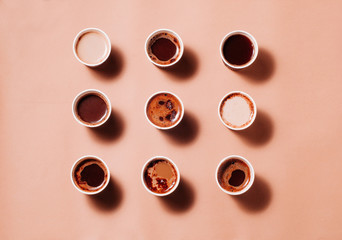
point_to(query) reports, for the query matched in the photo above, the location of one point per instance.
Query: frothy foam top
(237, 110)
(92, 47)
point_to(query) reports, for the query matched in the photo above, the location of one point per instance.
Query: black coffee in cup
(90, 175)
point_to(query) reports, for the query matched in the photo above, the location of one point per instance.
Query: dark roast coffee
(90, 175)
(238, 49)
(233, 175)
(164, 48)
(92, 108)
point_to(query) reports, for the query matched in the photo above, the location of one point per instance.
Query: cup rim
(251, 169)
(254, 109)
(143, 180)
(82, 159)
(83, 93)
(251, 38)
(181, 46)
(92, 29)
(156, 126)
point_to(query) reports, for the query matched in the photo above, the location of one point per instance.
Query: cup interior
(245, 35)
(94, 170)
(94, 42)
(238, 108)
(164, 49)
(163, 183)
(222, 173)
(92, 107)
(164, 110)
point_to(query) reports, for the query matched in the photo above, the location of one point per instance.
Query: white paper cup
(143, 177)
(248, 98)
(160, 127)
(179, 51)
(89, 92)
(251, 170)
(73, 180)
(108, 45)
(255, 52)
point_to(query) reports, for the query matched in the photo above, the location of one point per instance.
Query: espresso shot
(234, 175)
(90, 175)
(164, 48)
(160, 176)
(91, 108)
(164, 110)
(238, 49)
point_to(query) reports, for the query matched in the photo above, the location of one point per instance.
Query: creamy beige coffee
(92, 46)
(237, 110)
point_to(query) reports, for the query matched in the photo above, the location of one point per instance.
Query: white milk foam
(92, 47)
(236, 111)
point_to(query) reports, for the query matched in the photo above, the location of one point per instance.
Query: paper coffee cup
(163, 168)
(226, 169)
(96, 172)
(237, 110)
(94, 107)
(92, 47)
(165, 116)
(174, 41)
(254, 47)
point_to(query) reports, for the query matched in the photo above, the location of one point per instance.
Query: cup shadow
(109, 199)
(260, 132)
(262, 69)
(112, 67)
(186, 131)
(185, 68)
(257, 198)
(110, 130)
(181, 200)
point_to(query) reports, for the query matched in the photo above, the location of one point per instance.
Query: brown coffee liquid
(163, 49)
(164, 110)
(234, 175)
(91, 108)
(238, 49)
(90, 174)
(160, 176)
(93, 175)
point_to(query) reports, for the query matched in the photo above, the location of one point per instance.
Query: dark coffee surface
(160, 176)
(91, 108)
(90, 175)
(238, 50)
(234, 175)
(163, 49)
(164, 110)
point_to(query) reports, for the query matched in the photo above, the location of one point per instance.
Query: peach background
(294, 145)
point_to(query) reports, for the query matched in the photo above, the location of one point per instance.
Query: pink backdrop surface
(294, 144)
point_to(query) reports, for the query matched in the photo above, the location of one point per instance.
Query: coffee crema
(90, 175)
(238, 49)
(92, 47)
(163, 48)
(237, 110)
(234, 175)
(92, 108)
(164, 110)
(160, 176)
